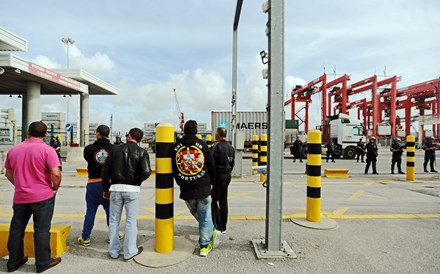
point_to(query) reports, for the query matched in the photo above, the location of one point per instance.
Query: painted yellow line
(369, 184)
(356, 195)
(340, 211)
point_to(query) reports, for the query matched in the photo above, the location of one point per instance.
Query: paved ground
(384, 225)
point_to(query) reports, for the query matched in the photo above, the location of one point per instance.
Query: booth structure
(30, 81)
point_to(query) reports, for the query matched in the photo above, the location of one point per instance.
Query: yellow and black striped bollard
(199, 136)
(209, 140)
(263, 154)
(313, 213)
(164, 189)
(410, 157)
(254, 152)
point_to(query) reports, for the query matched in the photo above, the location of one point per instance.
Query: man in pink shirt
(33, 168)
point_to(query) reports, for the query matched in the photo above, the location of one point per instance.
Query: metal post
(236, 172)
(274, 191)
(313, 213)
(254, 152)
(208, 140)
(410, 157)
(164, 189)
(263, 155)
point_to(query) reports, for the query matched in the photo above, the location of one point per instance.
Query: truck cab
(345, 132)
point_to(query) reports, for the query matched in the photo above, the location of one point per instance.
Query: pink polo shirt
(31, 162)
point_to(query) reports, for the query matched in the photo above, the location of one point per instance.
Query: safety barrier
(58, 240)
(82, 172)
(313, 207)
(336, 172)
(164, 189)
(410, 158)
(263, 155)
(254, 152)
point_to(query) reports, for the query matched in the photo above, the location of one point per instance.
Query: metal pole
(276, 130)
(237, 171)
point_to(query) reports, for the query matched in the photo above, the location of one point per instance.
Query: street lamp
(67, 42)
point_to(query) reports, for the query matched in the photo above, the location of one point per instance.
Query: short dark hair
(221, 131)
(190, 128)
(37, 129)
(103, 130)
(136, 134)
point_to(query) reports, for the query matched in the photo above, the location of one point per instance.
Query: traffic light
(9, 114)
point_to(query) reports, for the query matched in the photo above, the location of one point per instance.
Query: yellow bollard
(313, 213)
(209, 140)
(254, 152)
(263, 154)
(410, 158)
(199, 136)
(164, 189)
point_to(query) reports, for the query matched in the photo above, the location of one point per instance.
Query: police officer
(372, 153)
(429, 148)
(360, 150)
(397, 151)
(330, 150)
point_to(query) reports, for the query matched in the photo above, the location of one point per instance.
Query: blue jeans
(93, 200)
(42, 216)
(201, 210)
(117, 202)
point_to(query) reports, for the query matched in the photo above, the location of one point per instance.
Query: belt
(95, 180)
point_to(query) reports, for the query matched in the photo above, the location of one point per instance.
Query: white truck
(346, 132)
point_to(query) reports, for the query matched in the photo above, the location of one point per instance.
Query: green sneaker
(84, 242)
(215, 239)
(205, 250)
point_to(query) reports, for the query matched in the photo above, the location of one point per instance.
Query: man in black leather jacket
(224, 158)
(127, 166)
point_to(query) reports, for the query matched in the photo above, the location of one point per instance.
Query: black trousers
(398, 160)
(360, 154)
(332, 154)
(431, 159)
(42, 216)
(220, 201)
(371, 160)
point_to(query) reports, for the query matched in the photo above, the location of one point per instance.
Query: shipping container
(248, 122)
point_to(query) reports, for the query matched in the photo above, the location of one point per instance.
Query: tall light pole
(238, 154)
(68, 42)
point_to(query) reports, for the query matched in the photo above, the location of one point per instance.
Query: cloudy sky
(148, 48)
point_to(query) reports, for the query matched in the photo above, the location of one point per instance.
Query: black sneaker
(433, 170)
(140, 249)
(22, 262)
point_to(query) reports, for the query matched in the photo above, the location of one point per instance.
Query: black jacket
(193, 167)
(95, 154)
(126, 164)
(372, 150)
(224, 156)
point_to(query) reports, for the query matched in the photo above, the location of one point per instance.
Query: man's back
(31, 162)
(95, 154)
(224, 156)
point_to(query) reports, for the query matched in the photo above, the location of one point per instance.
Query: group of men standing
(116, 173)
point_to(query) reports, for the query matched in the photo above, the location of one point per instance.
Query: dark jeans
(220, 200)
(42, 216)
(93, 199)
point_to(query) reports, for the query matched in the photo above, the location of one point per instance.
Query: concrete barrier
(336, 172)
(58, 240)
